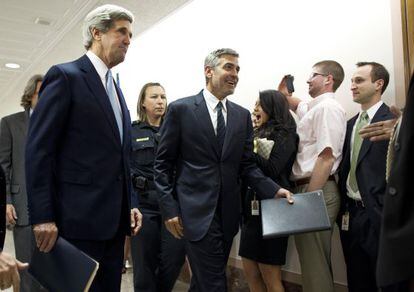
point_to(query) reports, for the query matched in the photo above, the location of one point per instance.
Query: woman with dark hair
(157, 256)
(262, 258)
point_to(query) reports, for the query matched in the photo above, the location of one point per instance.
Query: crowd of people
(182, 181)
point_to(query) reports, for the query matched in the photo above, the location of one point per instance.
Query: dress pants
(314, 248)
(110, 255)
(24, 245)
(208, 259)
(360, 246)
(156, 254)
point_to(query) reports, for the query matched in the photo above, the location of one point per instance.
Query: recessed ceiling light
(12, 65)
(42, 21)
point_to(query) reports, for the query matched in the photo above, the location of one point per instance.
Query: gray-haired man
(78, 178)
(203, 168)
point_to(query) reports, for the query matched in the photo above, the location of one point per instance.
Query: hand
(136, 221)
(175, 227)
(283, 193)
(11, 215)
(378, 131)
(45, 235)
(9, 272)
(283, 87)
(381, 130)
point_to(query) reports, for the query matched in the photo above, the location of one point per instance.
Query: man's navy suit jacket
(2, 208)
(395, 257)
(188, 146)
(77, 169)
(370, 170)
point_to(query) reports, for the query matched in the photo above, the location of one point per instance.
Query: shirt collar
(373, 110)
(212, 101)
(317, 100)
(99, 65)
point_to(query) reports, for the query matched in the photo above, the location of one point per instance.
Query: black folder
(308, 213)
(65, 268)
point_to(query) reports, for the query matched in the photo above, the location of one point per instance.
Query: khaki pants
(314, 248)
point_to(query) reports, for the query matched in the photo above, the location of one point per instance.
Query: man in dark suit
(78, 146)
(13, 130)
(9, 266)
(395, 259)
(362, 179)
(204, 150)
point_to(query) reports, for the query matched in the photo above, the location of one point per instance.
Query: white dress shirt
(211, 102)
(322, 124)
(371, 113)
(102, 69)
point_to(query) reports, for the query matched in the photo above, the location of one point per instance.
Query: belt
(355, 203)
(150, 185)
(306, 180)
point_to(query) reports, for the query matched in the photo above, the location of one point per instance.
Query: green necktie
(363, 120)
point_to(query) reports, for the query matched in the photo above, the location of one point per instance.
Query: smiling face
(155, 102)
(112, 46)
(222, 79)
(261, 117)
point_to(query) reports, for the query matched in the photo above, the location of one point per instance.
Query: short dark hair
(378, 71)
(29, 91)
(332, 68)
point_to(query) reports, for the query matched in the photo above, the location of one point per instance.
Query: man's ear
(329, 79)
(379, 84)
(208, 71)
(96, 34)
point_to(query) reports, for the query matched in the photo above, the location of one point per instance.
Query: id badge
(345, 221)
(255, 207)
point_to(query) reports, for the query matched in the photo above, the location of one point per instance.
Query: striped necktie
(221, 126)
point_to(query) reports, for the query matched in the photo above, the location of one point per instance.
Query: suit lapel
(126, 120)
(366, 143)
(232, 119)
(23, 122)
(348, 141)
(99, 92)
(204, 121)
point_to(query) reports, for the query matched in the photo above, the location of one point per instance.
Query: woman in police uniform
(157, 256)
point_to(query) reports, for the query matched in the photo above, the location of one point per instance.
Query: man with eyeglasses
(321, 129)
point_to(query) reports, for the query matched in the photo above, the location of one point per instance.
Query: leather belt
(355, 203)
(306, 180)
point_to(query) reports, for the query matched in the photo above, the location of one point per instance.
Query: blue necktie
(221, 126)
(110, 90)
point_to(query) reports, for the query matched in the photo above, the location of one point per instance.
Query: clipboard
(65, 268)
(308, 213)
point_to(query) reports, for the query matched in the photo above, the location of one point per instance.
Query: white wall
(273, 38)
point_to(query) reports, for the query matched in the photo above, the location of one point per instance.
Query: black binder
(308, 213)
(65, 268)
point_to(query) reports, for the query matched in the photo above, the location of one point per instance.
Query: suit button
(392, 191)
(397, 147)
(120, 177)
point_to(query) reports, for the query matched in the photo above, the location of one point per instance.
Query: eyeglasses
(314, 74)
